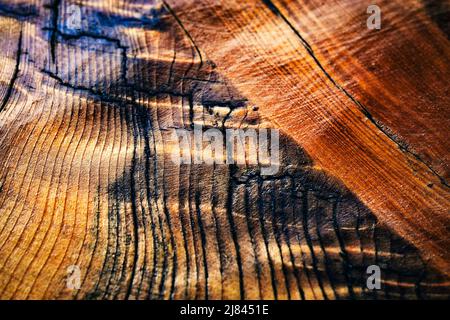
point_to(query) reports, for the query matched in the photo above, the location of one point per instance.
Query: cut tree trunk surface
(87, 116)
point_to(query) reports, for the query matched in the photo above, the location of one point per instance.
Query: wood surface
(86, 176)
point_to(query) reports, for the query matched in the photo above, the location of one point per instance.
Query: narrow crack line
(54, 7)
(363, 109)
(170, 10)
(135, 218)
(110, 97)
(93, 93)
(15, 73)
(85, 34)
(201, 80)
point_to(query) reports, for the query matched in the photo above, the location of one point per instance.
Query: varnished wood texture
(86, 177)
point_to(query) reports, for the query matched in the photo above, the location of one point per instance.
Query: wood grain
(86, 176)
(303, 99)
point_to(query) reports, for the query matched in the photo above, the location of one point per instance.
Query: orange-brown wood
(87, 180)
(270, 62)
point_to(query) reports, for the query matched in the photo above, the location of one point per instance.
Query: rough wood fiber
(272, 64)
(86, 177)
